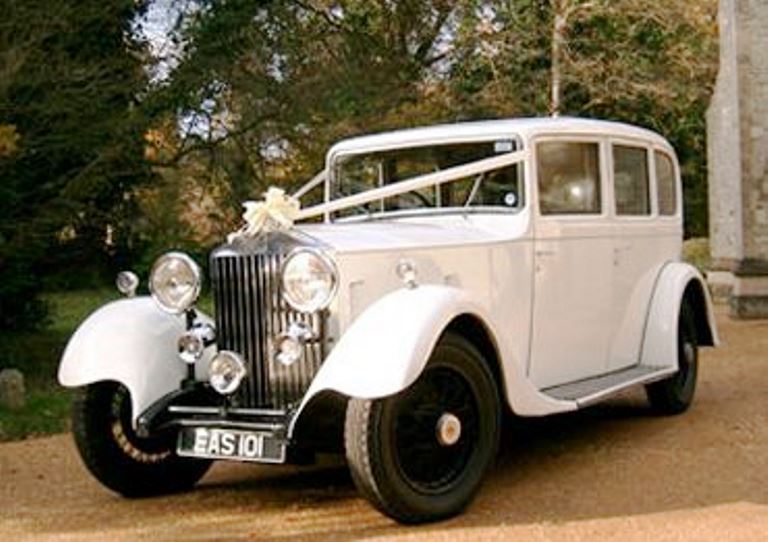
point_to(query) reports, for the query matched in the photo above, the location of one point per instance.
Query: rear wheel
(120, 459)
(674, 395)
(421, 455)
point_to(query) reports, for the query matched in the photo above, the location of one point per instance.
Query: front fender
(130, 341)
(386, 348)
(660, 339)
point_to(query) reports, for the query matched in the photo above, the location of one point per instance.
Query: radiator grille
(249, 312)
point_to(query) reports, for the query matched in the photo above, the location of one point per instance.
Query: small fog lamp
(289, 345)
(127, 282)
(192, 344)
(190, 348)
(226, 372)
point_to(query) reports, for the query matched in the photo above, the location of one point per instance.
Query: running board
(592, 390)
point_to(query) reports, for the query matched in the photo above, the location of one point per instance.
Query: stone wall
(738, 159)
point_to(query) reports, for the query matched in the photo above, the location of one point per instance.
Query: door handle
(618, 251)
(542, 252)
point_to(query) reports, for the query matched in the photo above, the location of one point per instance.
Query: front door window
(569, 179)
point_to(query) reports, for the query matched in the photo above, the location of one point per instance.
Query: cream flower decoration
(276, 212)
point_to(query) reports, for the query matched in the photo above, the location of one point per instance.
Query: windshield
(499, 188)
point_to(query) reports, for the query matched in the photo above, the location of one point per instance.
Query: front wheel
(120, 459)
(421, 455)
(674, 395)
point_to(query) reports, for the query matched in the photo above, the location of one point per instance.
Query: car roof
(523, 127)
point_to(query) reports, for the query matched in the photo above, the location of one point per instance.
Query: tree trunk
(559, 28)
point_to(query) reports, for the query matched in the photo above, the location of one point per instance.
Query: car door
(573, 262)
(647, 229)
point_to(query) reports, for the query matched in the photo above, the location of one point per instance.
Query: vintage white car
(447, 276)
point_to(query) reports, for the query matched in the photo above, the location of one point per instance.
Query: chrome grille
(250, 312)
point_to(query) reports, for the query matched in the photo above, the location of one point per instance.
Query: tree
(265, 87)
(645, 62)
(70, 75)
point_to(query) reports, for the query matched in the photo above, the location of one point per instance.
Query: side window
(667, 189)
(569, 178)
(630, 178)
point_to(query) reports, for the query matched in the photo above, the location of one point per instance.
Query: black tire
(393, 450)
(674, 395)
(117, 457)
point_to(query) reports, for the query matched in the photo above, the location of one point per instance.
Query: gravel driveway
(613, 472)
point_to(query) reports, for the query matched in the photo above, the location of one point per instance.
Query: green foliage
(696, 252)
(37, 354)
(9, 140)
(70, 74)
(104, 169)
(45, 412)
(286, 79)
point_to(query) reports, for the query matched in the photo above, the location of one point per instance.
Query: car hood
(406, 234)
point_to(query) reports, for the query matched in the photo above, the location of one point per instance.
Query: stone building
(738, 160)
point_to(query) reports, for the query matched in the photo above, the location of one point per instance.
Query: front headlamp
(175, 282)
(309, 280)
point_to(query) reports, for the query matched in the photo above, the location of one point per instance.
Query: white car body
(568, 307)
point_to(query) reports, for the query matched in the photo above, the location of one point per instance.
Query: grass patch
(37, 355)
(696, 252)
(46, 412)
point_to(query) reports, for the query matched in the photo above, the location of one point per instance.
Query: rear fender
(676, 281)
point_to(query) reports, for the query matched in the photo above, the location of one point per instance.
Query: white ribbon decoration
(279, 211)
(276, 212)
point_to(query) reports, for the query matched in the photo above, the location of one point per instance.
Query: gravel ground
(613, 472)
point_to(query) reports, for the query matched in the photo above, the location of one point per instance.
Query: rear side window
(569, 178)
(665, 179)
(630, 178)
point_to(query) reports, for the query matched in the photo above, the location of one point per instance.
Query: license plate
(215, 443)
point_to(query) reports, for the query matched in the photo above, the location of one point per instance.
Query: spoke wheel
(116, 456)
(420, 455)
(427, 462)
(674, 395)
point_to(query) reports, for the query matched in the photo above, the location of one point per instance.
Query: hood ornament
(276, 212)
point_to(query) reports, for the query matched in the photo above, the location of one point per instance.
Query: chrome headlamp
(175, 282)
(309, 280)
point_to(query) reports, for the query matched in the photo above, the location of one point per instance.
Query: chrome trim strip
(183, 409)
(253, 426)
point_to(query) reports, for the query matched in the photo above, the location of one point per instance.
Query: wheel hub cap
(448, 429)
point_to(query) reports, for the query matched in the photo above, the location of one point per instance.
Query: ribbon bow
(276, 212)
